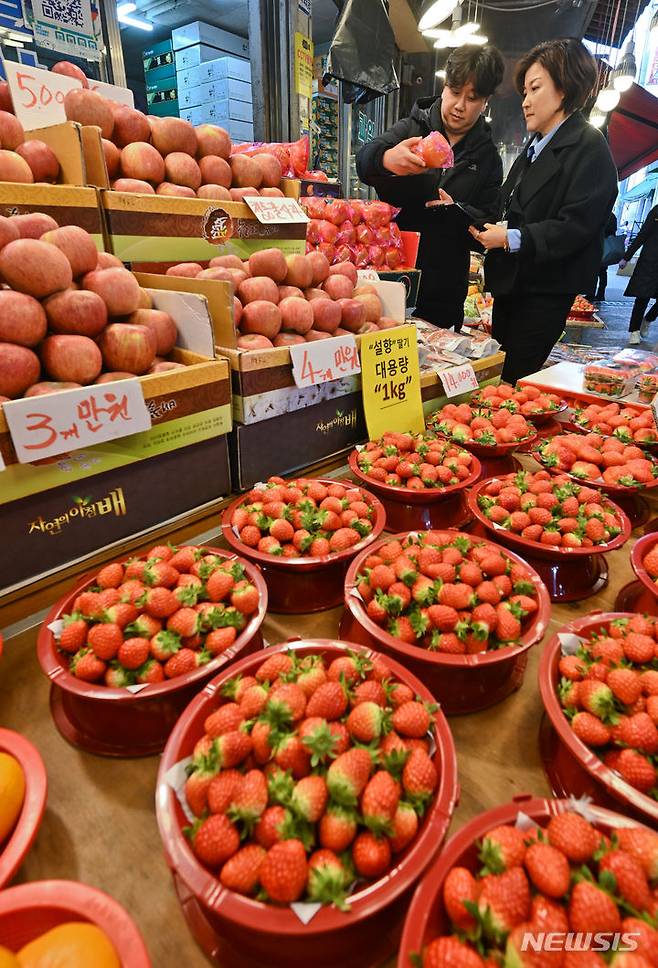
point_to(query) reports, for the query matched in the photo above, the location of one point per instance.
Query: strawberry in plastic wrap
(435, 151)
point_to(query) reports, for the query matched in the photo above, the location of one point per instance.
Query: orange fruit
(12, 793)
(70, 945)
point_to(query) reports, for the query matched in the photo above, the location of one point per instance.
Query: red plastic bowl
(640, 549)
(29, 910)
(15, 848)
(304, 584)
(573, 769)
(570, 574)
(117, 722)
(427, 917)
(427, 507)
(239, 932)
(461, 683)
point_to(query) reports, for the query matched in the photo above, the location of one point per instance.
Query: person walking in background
(610, 257)
(643, 284)
(400, 177)
(554, 207)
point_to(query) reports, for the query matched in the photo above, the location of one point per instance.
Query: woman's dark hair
(570, 65)
(482, 66)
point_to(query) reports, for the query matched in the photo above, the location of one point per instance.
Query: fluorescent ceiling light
(11, 43)
(124, 8)
(135, 22)
(479, 39)
(465, 29)
(436, 13)
(17, 35)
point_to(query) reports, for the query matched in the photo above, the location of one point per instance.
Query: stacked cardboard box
(214, 78)
(160, 78)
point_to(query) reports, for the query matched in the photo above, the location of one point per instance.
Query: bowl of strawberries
(599, 685)
(537, 405)
(300, 798)
(420, 479)
(561, 528)
(642, 595)
(620, 470)
(631, 425)
(17, 835)
(491, 435)
(458, 611)
(130, 645)
(545, 883)
(302, 534)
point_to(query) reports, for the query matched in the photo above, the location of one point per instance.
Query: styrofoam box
(193, 56)
(234, 111)
(207, 114)
(203, 33)
(225, 90)
(217, 70)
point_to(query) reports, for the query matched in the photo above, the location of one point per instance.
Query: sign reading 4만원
(390, 377)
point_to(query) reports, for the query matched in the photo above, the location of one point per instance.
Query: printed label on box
(276, 211)
(458, 379)
(391, 382)
(121, 95)
(324, 360)
(61, 422)
(38, 95)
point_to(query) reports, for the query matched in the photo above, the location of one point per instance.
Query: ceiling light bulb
(464, 30)
(608, 99)
(436, 13)
(124, 8)
(623, 83)
(479, 39)
(441, 74)
(597, 119)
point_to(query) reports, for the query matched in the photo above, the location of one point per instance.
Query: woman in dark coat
(643, 283)
(554, 207)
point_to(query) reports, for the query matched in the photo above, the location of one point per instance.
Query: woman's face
(542, 100)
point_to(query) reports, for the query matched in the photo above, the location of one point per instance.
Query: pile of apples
(70, 315)
(283, 300)
(362, 233)
(144, 154)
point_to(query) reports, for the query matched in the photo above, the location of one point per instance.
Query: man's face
(460, 108)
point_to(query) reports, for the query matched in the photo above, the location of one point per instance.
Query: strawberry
(309, 798)
(590, 729)
(571, 667)
(241, 872)
(366, 722)
(121, 614)
(105, 640)
(456, 596)
(639, 733)
(249, 799)
(548, 869)
(371, 855)
(637, 770)
(253, 700)
(133, 653)
(263, 740)
(459, 887)
(150, 673)
(642, 844)
(369, 691)
(273, 667)
(291, 754)
(232, 748)
(650, 561)
(628, 878)
(87, 666)
(649, 680)
(443, 617)
(283, 872)
(185, 622)
(597, 698)
(219, 585)
(312, 675)
(111, 576)
(574, 836)
(411, 719)
(451, 953)
(224, 720)
(163, 645)
(508, 627)
(639, 648)
(214, 840)
(504, 901)
(245, 598)
(286, 704)
(502, 848)
(646, 938)
(74, 634)
(349, 668)
(219, 640)
(348, 775)
(219, 792)
(379, 802)
(184, 661)
(337, 828)
(203, 771)
(328, 879)
(268, 830)
(161, 602)
(592, 910)
(548, 915)
(404, 827)
(626, 685)
(419, 779)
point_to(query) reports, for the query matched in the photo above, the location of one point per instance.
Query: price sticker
(70, 419)
(458, 379)
(324, 360)
(391, 381)
(276, 211)
(122, 95)
(38, 95)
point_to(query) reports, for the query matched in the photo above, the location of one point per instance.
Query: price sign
(391, 381)
(38, 95)
(70, 419)
(367, 275)
(458, 380)
(122, 95)
(324, 360)
(276, 211)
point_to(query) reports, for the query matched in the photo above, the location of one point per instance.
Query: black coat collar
(547, 164)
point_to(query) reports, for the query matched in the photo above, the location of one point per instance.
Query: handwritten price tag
(324, 360)
(122, 95)
(276, 211)
(367, 275)
(458, 380)
(61, 422)
(38, 95)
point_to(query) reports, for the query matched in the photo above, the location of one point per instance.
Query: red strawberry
(219, 585)
(241, 872)
(366, 722)
(150, 673)
(642, 844)
(105, 640)
(133, 653)
(185, 622)
(637, 770)
(219, 640)
(548, 869)
(574, 836)
(596, 697)
(291, 754)
(419, 778)
(328, 879)
(458, 887)
(502, 848)
(219, 792)
(245, 598)
(504, 901)
(198, 783)
(404, 827)
(312, 675)
(451, 953)
(329, 701)
(87, 666)
(590, 729)
(592, 910)
(348, 775)
(74, 635)
(224, 720)
(625, 684)
(508, 627)
(163, 645)
(214, 840)
(274, 667)
(249, 799)
(184, 661)
(232, 748)
(411, 719)
(571, 667)
(337, 828)
(111, 576)
(284, 871)
(630, 881)
(443, 617)
(548, 915)
(639, 648)
(269, 829)
(369, 691)
(286, 704)
(379, 802)
(649, 680)
(639, 732)
(646, 938)
(399, 693)
(371, 855)
(309, 798)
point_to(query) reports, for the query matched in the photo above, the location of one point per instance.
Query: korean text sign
(390, 377)
(324, 360)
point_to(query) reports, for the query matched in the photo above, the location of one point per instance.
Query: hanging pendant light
(624, 73)
(608, 99)
(434, 12)
(597, 119)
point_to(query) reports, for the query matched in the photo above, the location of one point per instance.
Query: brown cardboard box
(160, 228)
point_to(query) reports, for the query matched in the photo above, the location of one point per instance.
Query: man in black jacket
(472, 75)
